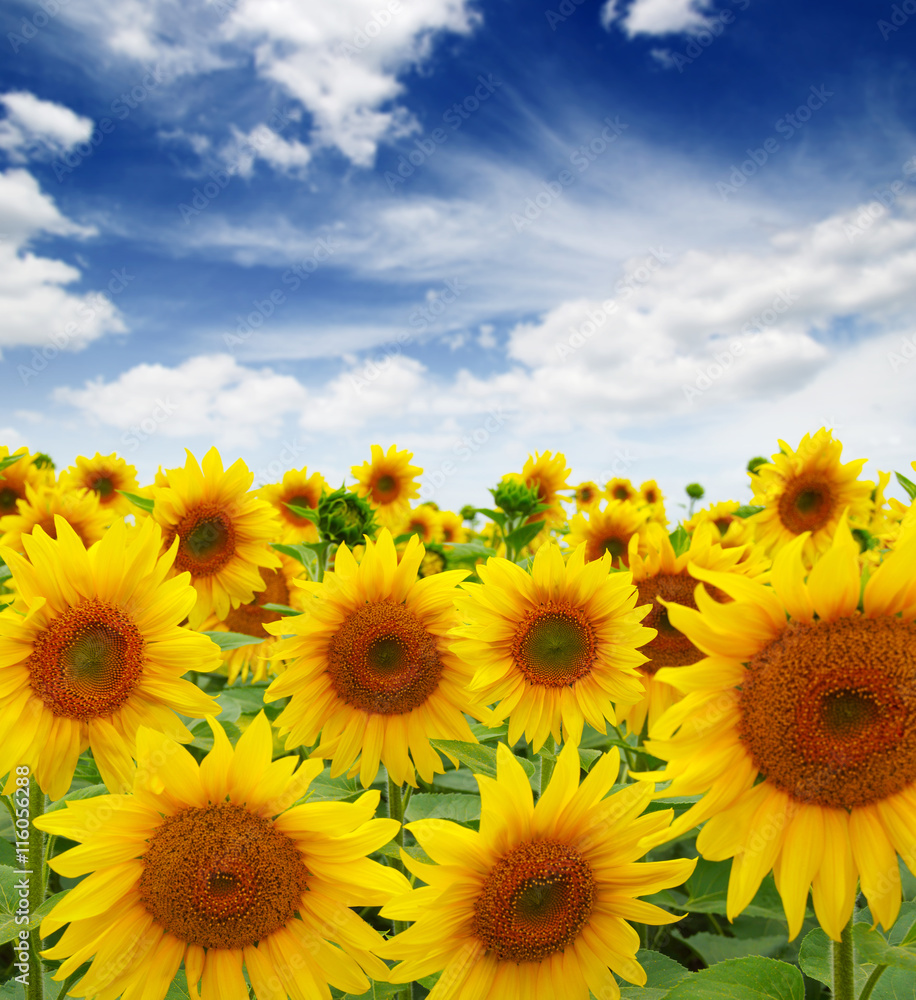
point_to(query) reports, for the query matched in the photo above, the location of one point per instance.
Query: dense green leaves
(742, 979)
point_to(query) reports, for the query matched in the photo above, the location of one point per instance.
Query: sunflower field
(303, 742)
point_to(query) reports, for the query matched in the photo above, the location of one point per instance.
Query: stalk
(844, 965)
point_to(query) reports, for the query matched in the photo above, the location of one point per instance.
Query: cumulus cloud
(37, 128)
(657, 17)
(36, 307)
(208, 395)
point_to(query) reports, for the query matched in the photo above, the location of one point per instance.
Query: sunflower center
(8, 498)
(385, 489)
(298, 501)
(534, 901)
(828, 710)
(616, 546)
(249, 619)
(670, 648)
(207, 540)
(621, 493)
(103, 486)
(383, 661)
(85, 664)
(554, 645)
(722, 524)
(807, 504)
(222, 877)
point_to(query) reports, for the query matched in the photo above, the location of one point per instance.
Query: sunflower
(105, 476)
(807, 490)
(17, 475)
(388, 482)
(208, 864)
(422, 521)
(43, 505)
(302, 490)
(371, 669)
(662, 576)
(733, 529)
(555, 648)
(548, 474)
(223, 531)
(536, 904)
(608, 530)
(92, 649)
(250, 619)
(798, 727)
(587, 495)
(451, 528)
(621, 489)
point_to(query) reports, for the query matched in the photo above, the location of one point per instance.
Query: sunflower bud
(344, 518)
(515, 498)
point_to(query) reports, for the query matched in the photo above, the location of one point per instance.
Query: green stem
(37, 885)
(547, 766)
(631, 764)
(396, 812)
(871, 982)
(844, 965)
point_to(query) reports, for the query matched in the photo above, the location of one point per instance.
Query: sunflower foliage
(296, 742)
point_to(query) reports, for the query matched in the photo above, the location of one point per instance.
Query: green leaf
(250, 698)
(36, 918)
(5, 572)
(144, 503)
(9, 894)
(203, 734)
(487, 735)
(306, 512)
(586, 757)
(467, 552)
(435, 805)
(326, 788)
(708, 888)
(816, 960)
(480, 759)
(232, 640)
(742, 979)
(747, 510)
(178, 988)
(680, 540)
(90, 792)
(713, 948)
(5, 463)
(907, 484)
(281, 609)
(304, 552)
(494, 515)
(661, 974)
(522, 535)
(872, 948)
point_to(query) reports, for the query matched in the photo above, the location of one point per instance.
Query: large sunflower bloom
(41, 508)
(662, 576)
(536, 904)
(370, 668)
(388, 482)
(554, 648)
(17, 475)
(208, 864)
(105, 476)
(301, 490)
(608, 529)
(223, 532)
(250, 619)
(91, 650)
(798, 727)
(807, 490)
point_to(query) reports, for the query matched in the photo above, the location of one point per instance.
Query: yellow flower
(807, 490)
(554, 648)
(797, 726)
(207, 864)
(16, 476)
(621, 489)
(547, 473)
(104, 476)
(451, 528)
(370, 668)
(388, 482)
(422, 521)
(608, 530)
(223, 532)
(92, 649)
(734, 530)
(301, 490)
(662, 576)
(587, 495)
(41, 508)
(536, 904)
(250, 619)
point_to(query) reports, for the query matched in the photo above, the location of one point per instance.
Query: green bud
(344, 518)
(695, 491)
(755, 463)
(515, 498)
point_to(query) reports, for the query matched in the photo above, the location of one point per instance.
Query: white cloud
(341, 61)
(286, 156)
(208, 395)
(37, 309)
(658, 17)
(34, 127)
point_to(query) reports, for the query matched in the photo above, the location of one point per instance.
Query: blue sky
(657, 235)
